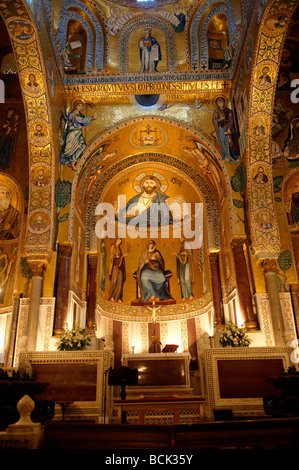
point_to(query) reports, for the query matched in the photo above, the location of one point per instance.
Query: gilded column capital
(213, 255)
(38, 268)
(93, 259)
(237, 242)
(16, 296)
(65, 249)
(295, 288)
(268, 265)
(38, 264)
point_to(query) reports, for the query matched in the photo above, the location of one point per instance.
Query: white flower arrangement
(75, 339)
(233, 336)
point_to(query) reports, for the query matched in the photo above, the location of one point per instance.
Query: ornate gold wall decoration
(11, 220)
(148, 135)
(33, 80)
(265, 234)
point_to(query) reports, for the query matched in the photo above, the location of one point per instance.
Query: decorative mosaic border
(265, 318)
(21, 328)
(266, 243)
(142, 4)
(288, 317)
(114, 78)
(241, 405)
(180, 311)
(29, 57)
(46, 322)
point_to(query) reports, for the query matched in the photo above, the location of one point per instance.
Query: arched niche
(198, 30)
(219, 48)
(106, 168)
(86, 18)
(129, 43)
(79, 45)
(223, 15)
(183, 148)
(175, 184)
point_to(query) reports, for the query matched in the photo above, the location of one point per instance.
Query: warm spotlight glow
(174, 335)
(135, 337)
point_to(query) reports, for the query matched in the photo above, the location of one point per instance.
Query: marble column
(9, 359)
(268, 267)
(63, 286)
(192, 343)
(295, 301)
(92, 290)
(216, 287)
(243, 284)
(38, 269)
(117, 337)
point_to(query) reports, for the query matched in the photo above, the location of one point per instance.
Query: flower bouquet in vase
(75, 339)
(234, 337)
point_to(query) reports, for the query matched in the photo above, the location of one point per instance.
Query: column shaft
(63, 286)
(269, 266)
(243, 284)
(12, 331)
(295, 302)
(216, 287)
(92, 290)
(38, 268)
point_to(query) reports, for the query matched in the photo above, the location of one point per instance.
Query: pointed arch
(174, 162)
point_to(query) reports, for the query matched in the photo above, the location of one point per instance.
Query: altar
(163, 394)
(159, 374)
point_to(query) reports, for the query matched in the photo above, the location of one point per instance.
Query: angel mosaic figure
(74, 142)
